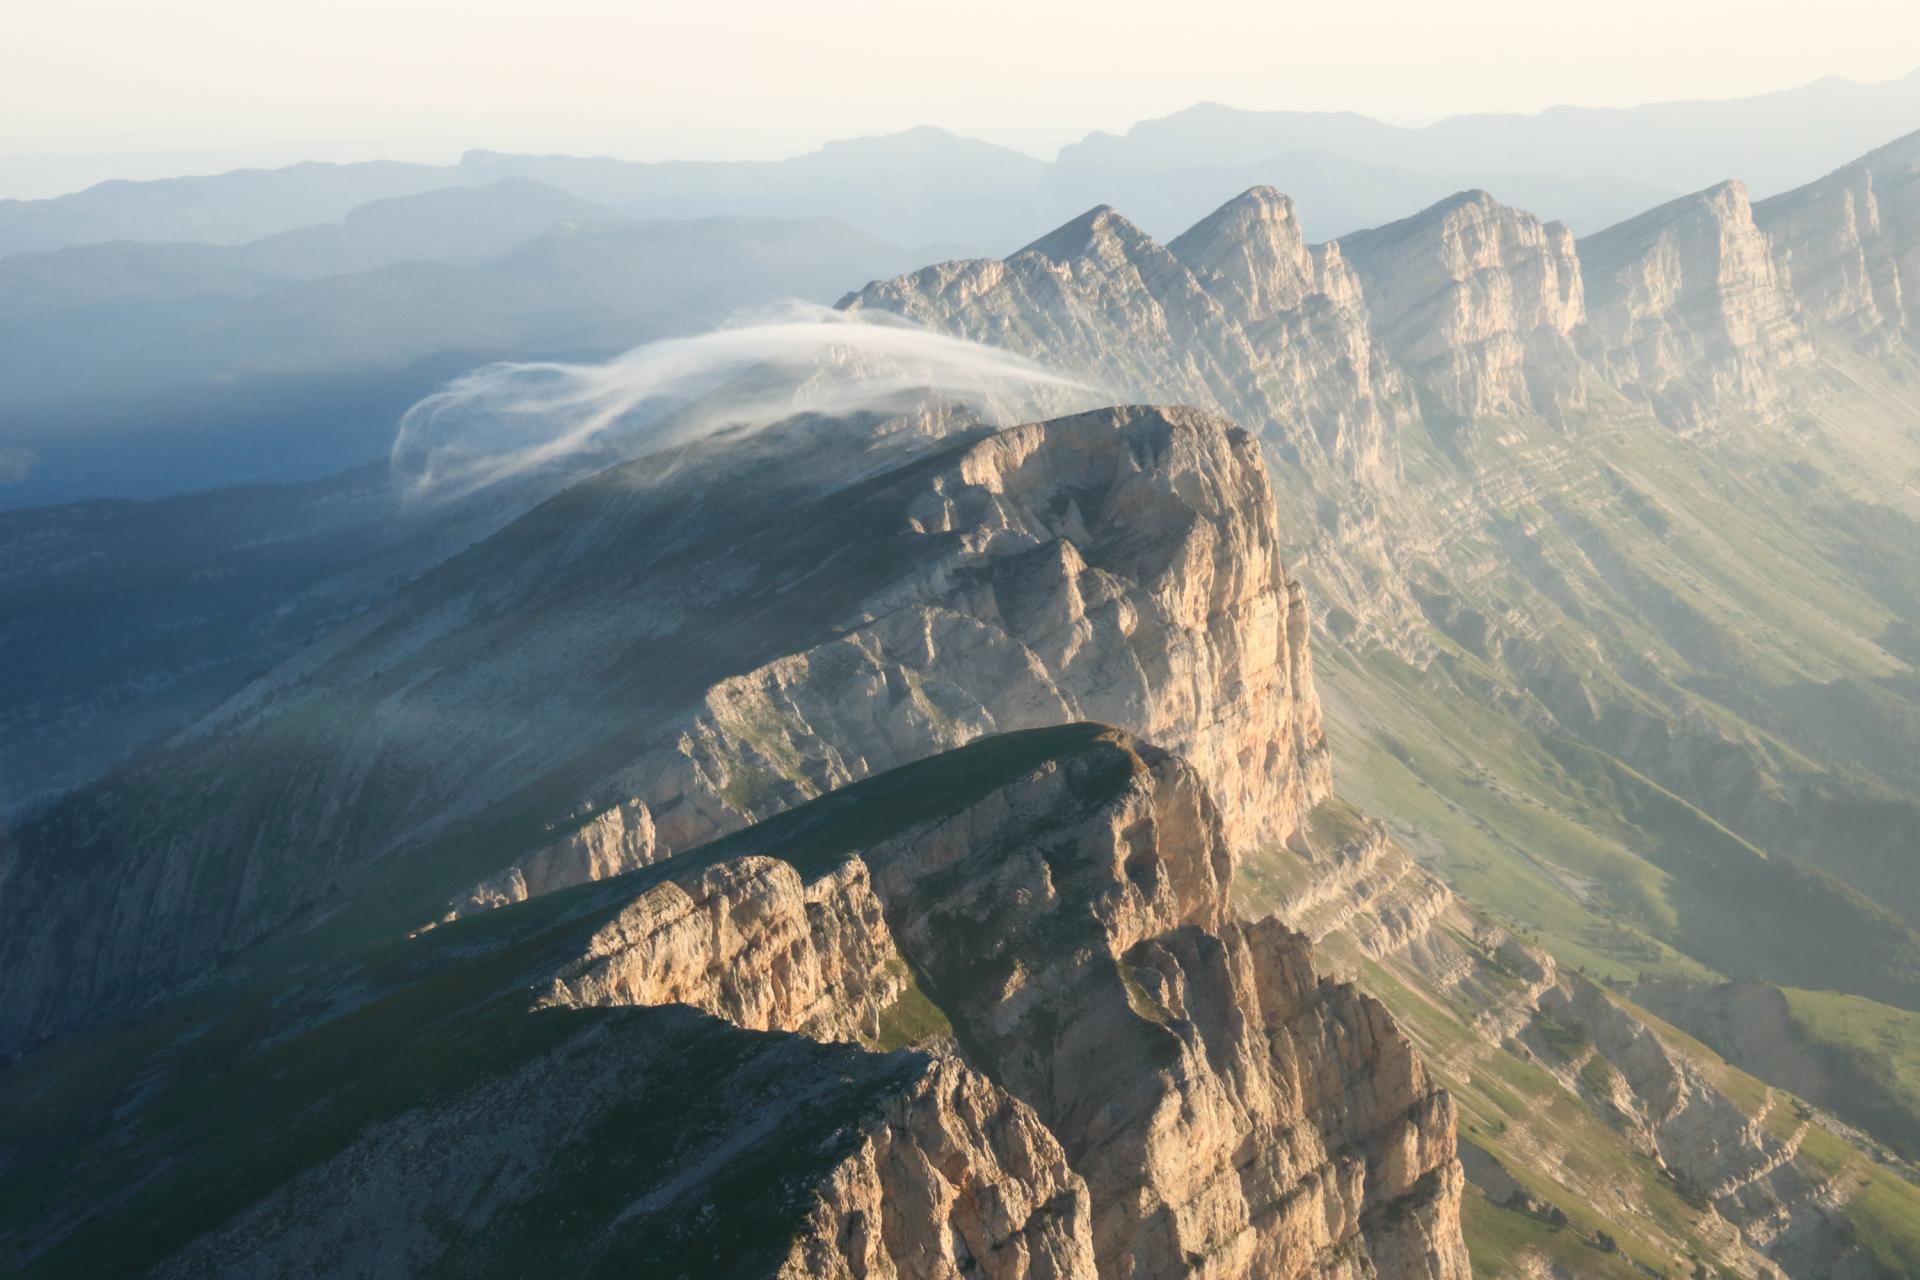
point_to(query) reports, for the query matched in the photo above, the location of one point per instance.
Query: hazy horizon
(98, 89)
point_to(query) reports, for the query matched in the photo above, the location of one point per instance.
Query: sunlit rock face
(1228, 1111)
(1119, 566)
(1849, 245)
(1687, 311)
(1479, 303)
(1238, 314)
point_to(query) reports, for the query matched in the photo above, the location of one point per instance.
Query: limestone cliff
(1237, 314)
(1849, 244)
(1119, 566)
(1231, 1112)
(1315, 359)
(990, 1014)
(1687, 312)
(1479, 302)
(747, 941)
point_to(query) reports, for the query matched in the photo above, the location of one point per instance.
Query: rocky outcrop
(1232, 1113)
(1754, 1026)
(1357, 881)
(956, 1179)
(1733, 1158)
(1237, 314)
(1230, 1110)
(616, 839)
(1849, 244)
(1686, 311)
(1304, 315)
(1479, 303)
(747, 941)
(1251, 255)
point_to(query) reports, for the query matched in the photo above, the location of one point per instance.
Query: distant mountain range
(133, 369)
(162, 336)
(1588, 167)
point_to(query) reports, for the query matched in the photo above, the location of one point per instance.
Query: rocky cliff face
(1687, 312)
(1119, 566)
(1232, 1113)
(749, 942)
(1479, 303)
(1849, 244)
(1238, 313)
(1315, 360)
(1111, 1075)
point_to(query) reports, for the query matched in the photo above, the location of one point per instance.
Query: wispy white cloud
(505, 420)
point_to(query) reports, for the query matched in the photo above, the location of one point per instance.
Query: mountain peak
(1098, 225)
(1723, 203)
(1253, 246)
(1479, 299)
(1686, 310)
(1472, 205)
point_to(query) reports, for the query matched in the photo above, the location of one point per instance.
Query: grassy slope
(1873, 1045)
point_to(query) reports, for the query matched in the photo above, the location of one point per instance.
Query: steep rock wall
(1687, 312)
(1231, 1112)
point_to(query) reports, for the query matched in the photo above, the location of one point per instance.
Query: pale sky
(757, 78)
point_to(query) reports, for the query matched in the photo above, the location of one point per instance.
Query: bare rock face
(1120, 566)
(1097, 296)
(958, 1179)
(1237, 313)
(1361, 883)
(748, 942)
(1849, 244)
(1479, 303)
(616, 839)
(1231, 1112)
(1686, 311)
(1251, 252)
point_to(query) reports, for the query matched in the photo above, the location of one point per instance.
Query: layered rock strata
(1231, 1112)
(1687, 311)
(1237, 314)
(1479, 302)
(1849, 244)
